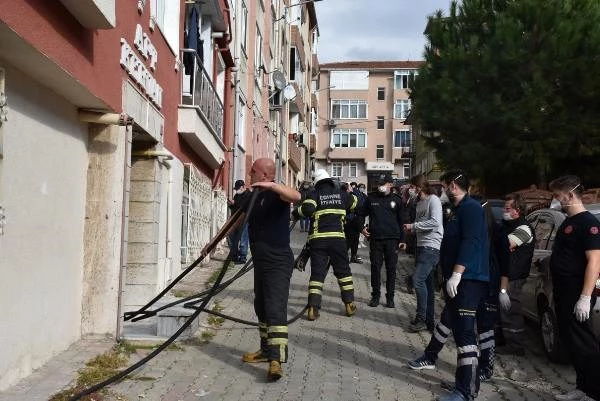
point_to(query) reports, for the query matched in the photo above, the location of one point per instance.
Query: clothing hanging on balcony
(192, 41)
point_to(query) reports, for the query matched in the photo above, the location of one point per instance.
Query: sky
(365, 30)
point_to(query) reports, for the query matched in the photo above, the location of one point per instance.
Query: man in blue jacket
(464, 258)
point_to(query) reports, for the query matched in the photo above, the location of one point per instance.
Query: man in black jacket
(385, 235)
(239, 237)
(521, 239)
(327, 206)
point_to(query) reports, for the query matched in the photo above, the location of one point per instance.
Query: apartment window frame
(403, 78)
(402, 138)
(337, 169)
(352, 170)
(258, 56)
(353, 138)
(380, 122)
(406, 169)
(401, 108)
(381, 93)
(380, 156)
(342, 109)
(244, 28)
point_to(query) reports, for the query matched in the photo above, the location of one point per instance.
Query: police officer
(327, 206)
(521, 239)
(464, 258)
(268, 226)
(384, 210)
(575, 266)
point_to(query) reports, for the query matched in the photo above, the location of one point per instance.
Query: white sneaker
(571, 395)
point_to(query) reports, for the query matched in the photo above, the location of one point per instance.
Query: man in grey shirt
(429, 229)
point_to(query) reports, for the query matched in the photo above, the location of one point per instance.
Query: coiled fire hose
(203, 298)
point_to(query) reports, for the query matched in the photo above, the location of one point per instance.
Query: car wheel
(550, 338)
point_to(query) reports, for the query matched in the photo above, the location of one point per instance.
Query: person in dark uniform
(464, 259)
(521, 239)
(268, 227)
(385, 234)
(239, 237)
(354, 225)
(575, 267)
(327, 206)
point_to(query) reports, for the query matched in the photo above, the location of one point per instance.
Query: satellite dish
(279, 79)
(289, 92)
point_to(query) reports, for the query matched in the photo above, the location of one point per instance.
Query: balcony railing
(197, 90)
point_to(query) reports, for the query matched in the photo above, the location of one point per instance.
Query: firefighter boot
(350, 308)
(275, 370)
(313, 313)
(254, 357)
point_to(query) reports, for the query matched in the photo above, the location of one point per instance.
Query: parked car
(538, 303)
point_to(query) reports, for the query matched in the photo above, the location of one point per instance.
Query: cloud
(373, 30)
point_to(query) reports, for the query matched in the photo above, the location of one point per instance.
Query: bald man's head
(263, 169)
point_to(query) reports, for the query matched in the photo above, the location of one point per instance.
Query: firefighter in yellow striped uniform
(327, 205)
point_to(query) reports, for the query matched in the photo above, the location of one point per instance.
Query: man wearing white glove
(575, 267)
(521, 241)
(464, 259)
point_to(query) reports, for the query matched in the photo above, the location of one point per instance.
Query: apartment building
(362, 128)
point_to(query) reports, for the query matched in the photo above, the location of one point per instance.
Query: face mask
(361, 189)
(239, 191)
(444, 198)
(383, 189)
(555, 204)
(412, 192)
(506, 216)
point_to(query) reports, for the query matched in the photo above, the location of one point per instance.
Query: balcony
(406, 151)
(294, 155)
(200, 117)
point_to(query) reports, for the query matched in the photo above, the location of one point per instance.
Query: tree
(511, 88)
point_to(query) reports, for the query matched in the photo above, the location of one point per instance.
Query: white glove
(504, 301)
(452, 284)
(582, 308)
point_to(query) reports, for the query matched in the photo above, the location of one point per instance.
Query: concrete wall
(44, 181)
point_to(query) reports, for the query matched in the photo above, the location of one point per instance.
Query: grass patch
(213, 277)
(97, 370)
(202, 339)
(216, 321)
(182, 293)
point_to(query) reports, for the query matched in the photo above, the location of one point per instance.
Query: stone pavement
(334, 358)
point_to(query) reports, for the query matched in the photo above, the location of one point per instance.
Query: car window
(544, 232)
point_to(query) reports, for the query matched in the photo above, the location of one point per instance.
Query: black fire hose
(187, 323)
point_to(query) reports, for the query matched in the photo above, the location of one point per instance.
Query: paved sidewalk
(334, 358)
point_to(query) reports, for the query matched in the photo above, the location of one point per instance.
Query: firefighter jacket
(327, 206)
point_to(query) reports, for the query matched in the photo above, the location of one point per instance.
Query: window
(379, 154)
(165, 14)
(353, 80)
(336, 169)
(352, 169)
(380, 122)
(401, 108)
(244, 30)
(242, 124)
(402, 138)
(293, 63)
(348, 109)
(406, 170)
(258, 55)
(380, 93)
(402, 78)
(349, 138)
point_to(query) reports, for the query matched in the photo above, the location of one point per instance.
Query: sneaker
(254, 357)
(313, 313)
(571, 395)
(350, 308)
(417, 326)
(421, 363)
(275, 370)
(374, 302)
(455, 395)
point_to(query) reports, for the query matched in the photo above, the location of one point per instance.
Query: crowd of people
(483, 264)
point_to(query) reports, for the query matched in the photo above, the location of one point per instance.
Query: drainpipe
(122, 119)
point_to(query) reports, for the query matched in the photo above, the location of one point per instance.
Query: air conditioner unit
(332, 123)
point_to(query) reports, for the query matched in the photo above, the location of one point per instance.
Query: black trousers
(383, 250)
(577, 336)
(272, 273)
(352, 230)
(323, 252)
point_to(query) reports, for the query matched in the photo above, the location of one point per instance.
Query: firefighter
(385, 234)
(327, 205)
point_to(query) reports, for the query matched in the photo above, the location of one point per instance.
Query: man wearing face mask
(464, 258)
(520, 238)
(384, 210)
(239, 236)
(575, 266)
